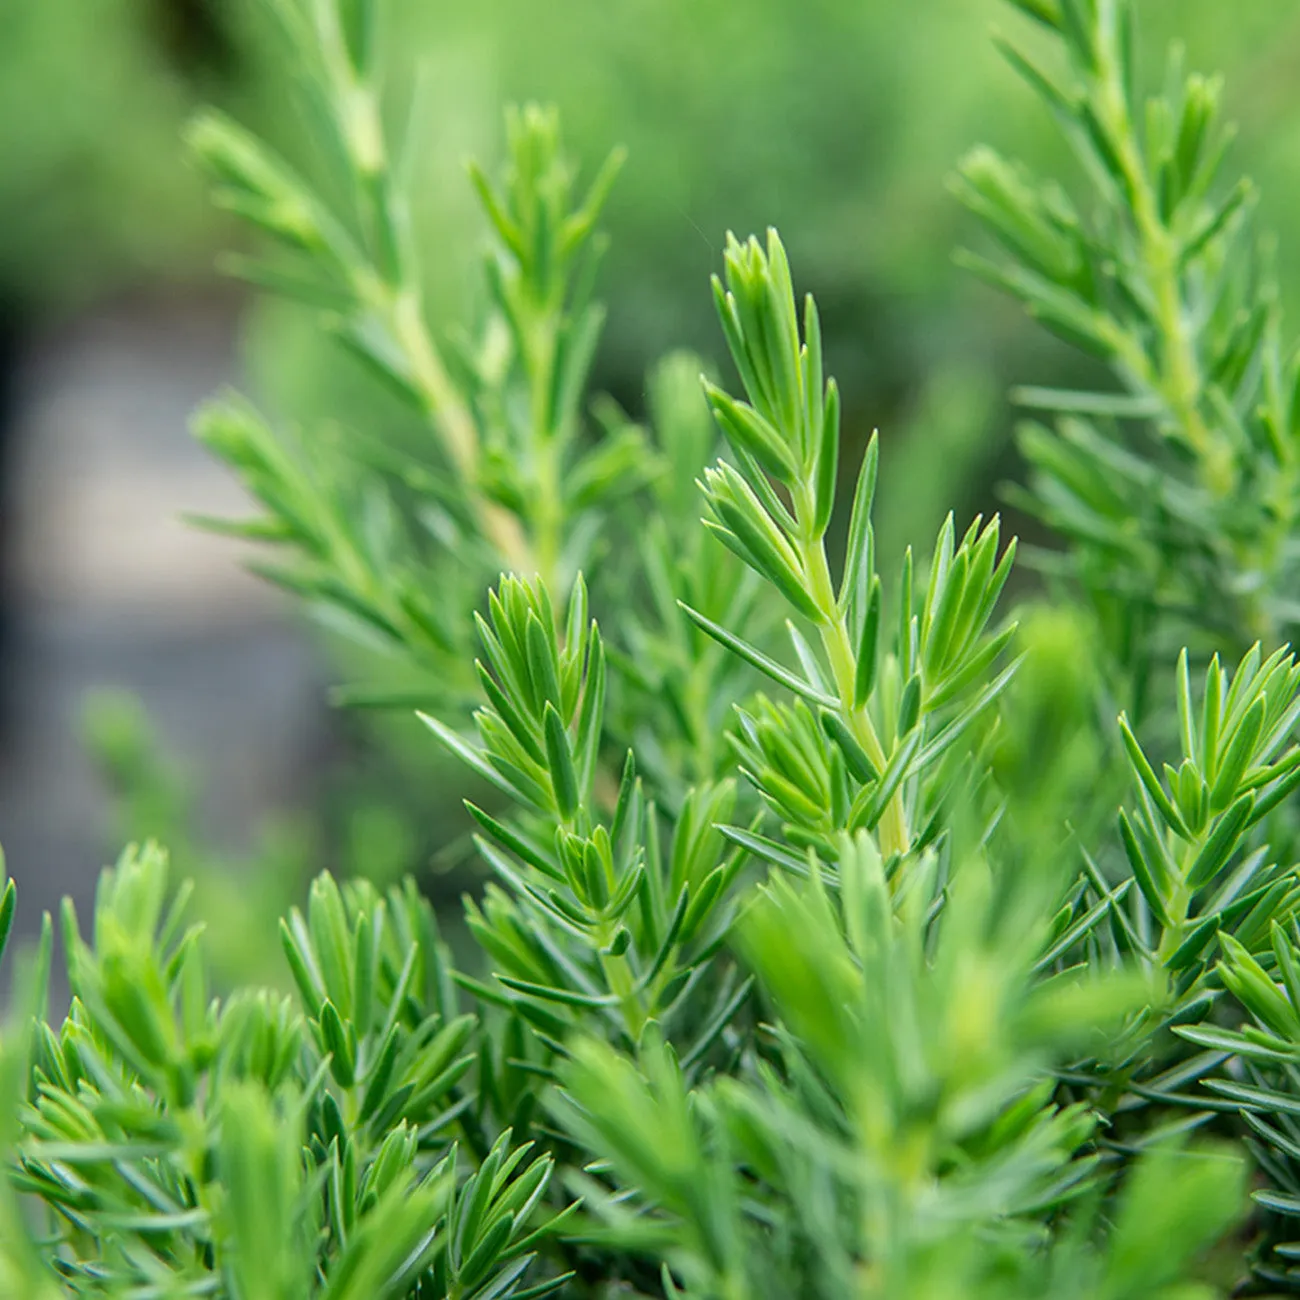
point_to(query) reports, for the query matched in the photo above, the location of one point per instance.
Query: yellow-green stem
(548, 512)
(894, 834)
(452, 419)
(617, 970)
(1180, 902)
(618, 975)
(1175, 374)
(547, 508)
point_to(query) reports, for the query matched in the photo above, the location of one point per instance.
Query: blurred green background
(835, 120)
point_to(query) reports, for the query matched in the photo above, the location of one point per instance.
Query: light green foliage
(594, 917)
(896, 1138)
(1189, 827)
(258, 1146)
(846, 988)
(1177, 491)
(401, 537)
(877, 695)
(1264, 1082)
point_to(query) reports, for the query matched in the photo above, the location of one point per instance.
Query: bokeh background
(148, 685)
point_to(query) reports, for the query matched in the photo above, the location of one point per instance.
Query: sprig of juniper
(592, 918)
(394, 537)
(1176, 498)
(1176, 494)
(502, 479)
(886, 713)
(900, 1139)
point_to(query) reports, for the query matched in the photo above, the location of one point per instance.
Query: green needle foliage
(1175, 492)
(260, 1146)
(495, 475)
(813, 958)
(889, 707)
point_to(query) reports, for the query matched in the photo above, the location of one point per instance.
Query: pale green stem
(453, 421)
(618, 975)
(548, 512)
(547, 507)
(1176, 373)
(894, 834)
(1177, 906)
(360, 124)
(617, 970)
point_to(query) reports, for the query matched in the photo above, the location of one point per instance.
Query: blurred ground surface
(108, 587)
